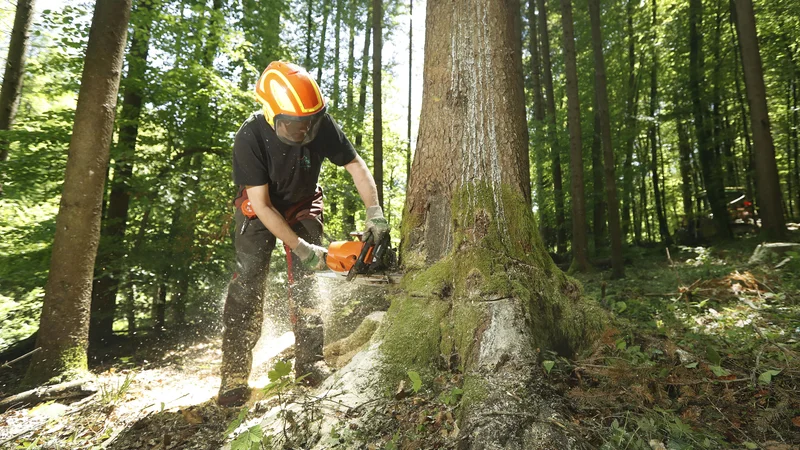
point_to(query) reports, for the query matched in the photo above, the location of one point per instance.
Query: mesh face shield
(298, 130)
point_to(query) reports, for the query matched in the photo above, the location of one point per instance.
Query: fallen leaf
(796, 421)
(192, 417)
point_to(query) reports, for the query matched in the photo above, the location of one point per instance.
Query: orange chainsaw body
(342, 255)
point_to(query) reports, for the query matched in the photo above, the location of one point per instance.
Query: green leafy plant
(416, 381)
(113, 392)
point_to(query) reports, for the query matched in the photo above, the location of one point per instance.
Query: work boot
(237, 396)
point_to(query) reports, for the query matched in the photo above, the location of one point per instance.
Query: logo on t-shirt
(305, 162)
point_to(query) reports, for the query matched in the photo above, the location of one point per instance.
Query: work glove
(313, 256)
(376, 224)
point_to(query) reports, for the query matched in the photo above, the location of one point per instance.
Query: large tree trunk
(750, 166)
(663, 229)
(769, 192)
(615, 230)
(109, 267)
(64, 324)
(377, 99)
(469, 242)
(712, 175)
(580, 257)
(15, 64)
(552, 131)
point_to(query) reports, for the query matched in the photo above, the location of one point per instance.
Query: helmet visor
(294, 130)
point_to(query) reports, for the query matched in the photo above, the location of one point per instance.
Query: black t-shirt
(291, 171)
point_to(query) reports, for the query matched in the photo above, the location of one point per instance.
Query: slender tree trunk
(663, 229)
(795, 137)
(351, 66)
(109, 267)
(750, 166)
(362, 93)
(336, 60)
(685, 149)
(309, 34)
(615, 230)
(712, 175)
(326, 12)
(538, 116)
(15, 65)
(580, 259)
(630, 126)
(64, 324)
(377, 99)
(769, 192)
(598, 199)
(468, 216)
(789, 172)
(552, 132)
(410, 84)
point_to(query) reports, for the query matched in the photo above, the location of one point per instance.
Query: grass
(702, 353)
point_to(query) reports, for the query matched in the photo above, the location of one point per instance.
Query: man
(277, 157)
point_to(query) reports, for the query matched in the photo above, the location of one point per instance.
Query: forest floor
(703, 352)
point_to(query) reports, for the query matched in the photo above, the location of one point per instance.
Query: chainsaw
(363, 261)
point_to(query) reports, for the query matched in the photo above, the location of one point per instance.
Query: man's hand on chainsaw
(313, 256)
(376, 224)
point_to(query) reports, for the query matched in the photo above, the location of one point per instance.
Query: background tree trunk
(769, 192)
(64, 324)
(15, 64)
(109, 267)
(377, 99)
(468, 238)
(617, 259)
(410, 84)
(630, 125)
(580, 258)
(552, 131)
(663, 229)
(326, 12)
(712, 176)
(538, 117)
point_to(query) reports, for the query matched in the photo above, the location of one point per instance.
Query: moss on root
(496, 254)
(69, 364)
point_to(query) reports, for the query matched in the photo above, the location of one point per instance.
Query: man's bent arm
(269, 215)
(364, 182)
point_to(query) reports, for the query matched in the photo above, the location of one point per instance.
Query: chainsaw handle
(360, 265)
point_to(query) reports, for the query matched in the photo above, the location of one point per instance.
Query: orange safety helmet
(292, 102)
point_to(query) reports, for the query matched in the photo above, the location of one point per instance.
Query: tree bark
(615, 230)
(712, 175)
(15, 65)
(109, 267)
(552, 131)
(580, 257)
(377, 99)
(64, 324)
(469, 243)
(769, 192)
